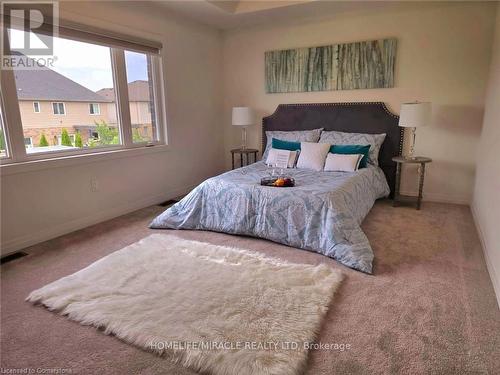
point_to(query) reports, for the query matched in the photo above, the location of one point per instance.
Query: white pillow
(276, 156)
(294, 136)
(342, 163)
(312, 155)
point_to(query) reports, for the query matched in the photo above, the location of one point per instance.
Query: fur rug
(211, 308)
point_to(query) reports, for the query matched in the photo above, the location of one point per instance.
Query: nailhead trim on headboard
(382, 104)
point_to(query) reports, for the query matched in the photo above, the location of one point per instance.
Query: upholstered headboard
(372, 118)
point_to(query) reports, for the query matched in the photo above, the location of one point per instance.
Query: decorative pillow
(312, 155)
(281, 158)
(343, 162)
(341, 138)
(295, 136)
(285, 145)
(352, 150)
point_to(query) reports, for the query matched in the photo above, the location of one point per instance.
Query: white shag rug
(210, 308)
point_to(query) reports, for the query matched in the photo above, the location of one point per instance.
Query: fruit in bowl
(279, 182)
(284, 182)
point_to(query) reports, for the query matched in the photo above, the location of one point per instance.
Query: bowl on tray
(278, 181)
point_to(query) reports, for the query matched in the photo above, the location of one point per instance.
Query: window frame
(158, 101)
(98, 113)
(37, 106)
(3, 126)
(58, 107)
(17, 157)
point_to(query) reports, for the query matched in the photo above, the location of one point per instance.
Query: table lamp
(413, 115)
(243, 116)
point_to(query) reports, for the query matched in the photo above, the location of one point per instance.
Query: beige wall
(111, 112)
(486, 204)
(139, 113)
(443, 57)
(39, 205)
(77, 113)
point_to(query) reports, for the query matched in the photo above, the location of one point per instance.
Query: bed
(323, 212)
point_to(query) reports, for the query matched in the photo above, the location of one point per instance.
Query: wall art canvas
(346, 66)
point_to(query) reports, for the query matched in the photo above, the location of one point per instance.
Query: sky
(89, 64)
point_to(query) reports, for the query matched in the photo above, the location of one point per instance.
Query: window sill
(71, 160)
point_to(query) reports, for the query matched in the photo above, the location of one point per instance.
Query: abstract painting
(347, 66)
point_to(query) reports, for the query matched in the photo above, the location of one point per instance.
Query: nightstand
(244, 152)
(400, 160)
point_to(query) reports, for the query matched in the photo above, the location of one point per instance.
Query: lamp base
(244, 138)
(409, 155)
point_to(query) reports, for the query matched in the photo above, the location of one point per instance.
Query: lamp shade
(243, 116)
(413, 115)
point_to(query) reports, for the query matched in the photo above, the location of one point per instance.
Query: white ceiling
(245, 6)
(233, 14)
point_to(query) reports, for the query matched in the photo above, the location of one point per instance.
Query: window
(81, 76)
(141, 96)
(28, 142)
(89, 74)
(94, 109)
(58, 108)
(3, 141)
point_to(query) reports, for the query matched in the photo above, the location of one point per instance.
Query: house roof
(46, 84)
(138, 91)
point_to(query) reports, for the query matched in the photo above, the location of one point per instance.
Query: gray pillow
(341, 138)
(295, 136)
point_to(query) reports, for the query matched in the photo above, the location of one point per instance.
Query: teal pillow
(351, 149)
(285, 145)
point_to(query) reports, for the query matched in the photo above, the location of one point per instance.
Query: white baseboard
(30, 239)
(494, 276)
(441, 198)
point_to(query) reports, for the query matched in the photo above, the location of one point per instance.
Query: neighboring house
(50, 102)
(140, 106)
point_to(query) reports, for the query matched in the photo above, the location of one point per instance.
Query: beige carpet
(208, 307)
(429, 308)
